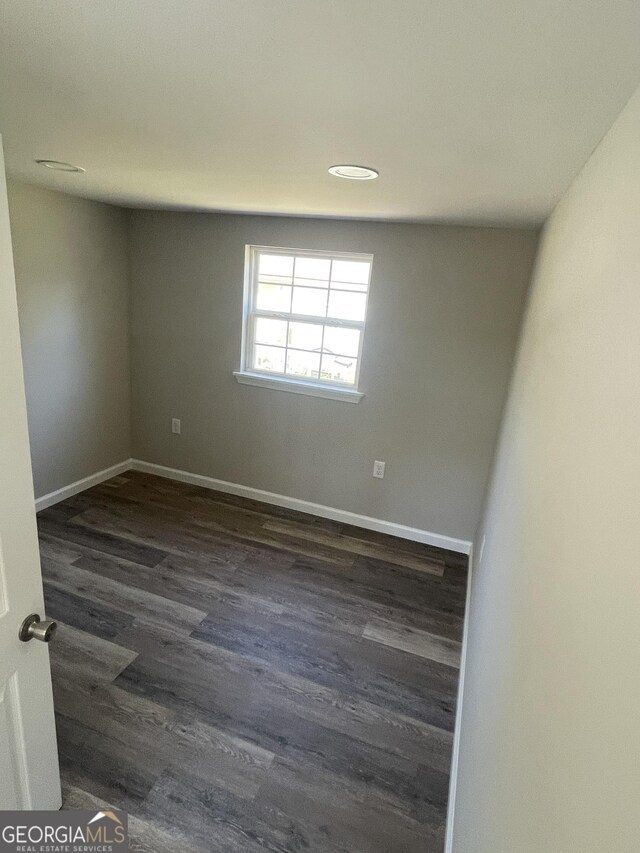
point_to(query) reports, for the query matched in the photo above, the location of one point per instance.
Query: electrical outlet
(175, 426)
(378, 469)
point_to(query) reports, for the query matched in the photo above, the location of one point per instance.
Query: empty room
(319, 368)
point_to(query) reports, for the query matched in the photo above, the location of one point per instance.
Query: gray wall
(444, 311)
(549, 735)
(72, 282)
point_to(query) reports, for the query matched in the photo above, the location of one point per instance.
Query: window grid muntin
(252, 313)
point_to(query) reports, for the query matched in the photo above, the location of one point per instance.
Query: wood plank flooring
(240, 677)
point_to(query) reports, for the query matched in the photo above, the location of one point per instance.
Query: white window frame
(315, 387)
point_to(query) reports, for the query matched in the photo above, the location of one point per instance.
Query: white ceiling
(477, 111)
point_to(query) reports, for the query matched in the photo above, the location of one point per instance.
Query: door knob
(34, 628)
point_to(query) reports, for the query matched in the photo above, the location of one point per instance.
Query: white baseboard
(341, 515)
(80, 485)
(453, 779)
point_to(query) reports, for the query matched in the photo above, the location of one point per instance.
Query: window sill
(298, 386)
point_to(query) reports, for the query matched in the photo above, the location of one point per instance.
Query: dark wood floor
(244, 678)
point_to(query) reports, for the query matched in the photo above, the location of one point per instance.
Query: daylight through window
(305, 314)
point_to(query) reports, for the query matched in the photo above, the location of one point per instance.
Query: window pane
(313, 268)
(272, 332)
(353, 271)
(305, 336)
(274, 297)
(341, 341)
(275, 265)
(346, 306)
(303, 364)
(310, 300)
(347, 285)
(268, 358)
(339, 369)
(312, 282)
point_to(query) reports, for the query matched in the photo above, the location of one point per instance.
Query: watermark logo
(63, 832)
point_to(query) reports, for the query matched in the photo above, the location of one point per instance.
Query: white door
(29, 777)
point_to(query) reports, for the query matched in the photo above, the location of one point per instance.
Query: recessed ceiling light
(59, 166)
(354, 173)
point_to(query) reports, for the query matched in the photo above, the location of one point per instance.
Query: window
(304, 318)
